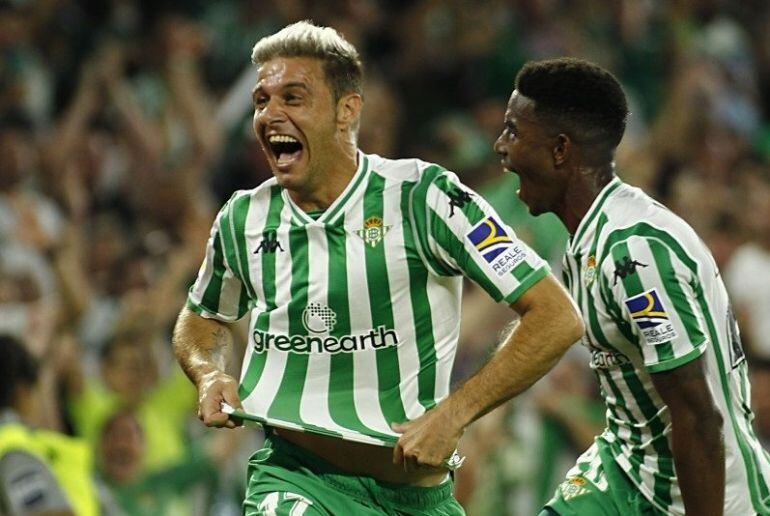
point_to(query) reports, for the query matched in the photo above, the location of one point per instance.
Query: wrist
(206, 375)
(458, 414)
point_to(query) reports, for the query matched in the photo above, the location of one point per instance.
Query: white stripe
(401, 301)
(444, 298)
(314, 405)
(269, 504)
(267, 387)
(255, 226)
(365, 380)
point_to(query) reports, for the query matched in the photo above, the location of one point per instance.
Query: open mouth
(285, 148)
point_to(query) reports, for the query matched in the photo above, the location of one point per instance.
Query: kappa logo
(373, 231)
(458, 198)
(269, 243)
(649, 314)
(491, 240)
(625, 267)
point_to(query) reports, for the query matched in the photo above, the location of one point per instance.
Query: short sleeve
(218, 292)
(654, 288)
(464, 235)
(27, 486)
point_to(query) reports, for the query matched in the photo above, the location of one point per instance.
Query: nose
(498, 146)
(270, 113)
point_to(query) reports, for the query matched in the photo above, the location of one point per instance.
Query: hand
(428, 440)
(214, 388)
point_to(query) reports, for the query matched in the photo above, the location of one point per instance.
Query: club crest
(373, 231)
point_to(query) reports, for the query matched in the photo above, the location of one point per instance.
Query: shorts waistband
(361, 487)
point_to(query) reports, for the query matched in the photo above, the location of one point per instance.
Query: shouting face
(295, 120)
(527, 148)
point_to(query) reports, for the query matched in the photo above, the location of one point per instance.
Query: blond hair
(341, 62)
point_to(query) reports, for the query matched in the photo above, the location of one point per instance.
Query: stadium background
(126, 123)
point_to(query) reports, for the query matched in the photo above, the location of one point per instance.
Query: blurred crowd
(124, 125)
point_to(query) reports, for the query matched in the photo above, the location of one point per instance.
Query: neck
(581, 192)
(330, 182)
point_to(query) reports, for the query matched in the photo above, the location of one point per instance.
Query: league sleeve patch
(493, 243)
(651, 317)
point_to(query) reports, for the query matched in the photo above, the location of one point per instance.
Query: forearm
(201, 346)
(699, 460)
(531, 349)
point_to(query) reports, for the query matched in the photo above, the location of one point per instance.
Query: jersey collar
(593, 211)
(348, 196)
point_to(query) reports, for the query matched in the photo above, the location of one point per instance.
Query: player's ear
(348, 110)
(562, 149)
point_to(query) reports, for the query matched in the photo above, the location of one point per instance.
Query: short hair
(341, 61)
(581, 97)
(17, 367)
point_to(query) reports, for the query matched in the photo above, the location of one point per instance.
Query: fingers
(212, 394)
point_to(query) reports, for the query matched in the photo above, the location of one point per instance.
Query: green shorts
(284, 479)
(611, 493)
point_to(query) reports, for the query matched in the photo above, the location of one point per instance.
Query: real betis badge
(590, 272)
(374, 231)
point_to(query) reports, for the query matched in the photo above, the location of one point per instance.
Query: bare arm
(202, 347)
(549, 325)
(696, 436)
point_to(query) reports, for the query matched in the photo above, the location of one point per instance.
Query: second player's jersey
(355, 314)
(652, 299)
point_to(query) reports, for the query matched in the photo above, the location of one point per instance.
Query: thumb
(399, 428)
(232, 399)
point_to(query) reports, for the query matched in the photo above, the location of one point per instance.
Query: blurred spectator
(131, 380)
(40, 471)
(122, 452)
(124, 123)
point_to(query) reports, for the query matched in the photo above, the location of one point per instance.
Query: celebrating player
(664, 343)
(351, 268)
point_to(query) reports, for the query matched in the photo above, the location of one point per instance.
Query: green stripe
(588, 219)
(228, 240)
(633, 286)
(421, 311)
(598, 336)
(470, 209)
(299, 217)
(286, 403)
(211, 295)
(418, 214)
(455, 248)
(526, 282)
(240, 213)
(388, 372)
(757, 486)
(342, 406)
(674, 291)
(340, 204)
(257, 360)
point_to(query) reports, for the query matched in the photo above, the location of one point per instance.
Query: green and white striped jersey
(355, 315)
(652, 298)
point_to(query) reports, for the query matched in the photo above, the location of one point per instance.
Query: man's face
(526, 148)
(122, 449)
(294, 119)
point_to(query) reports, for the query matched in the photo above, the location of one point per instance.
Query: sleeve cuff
(527, 283)
(678, 361)
(208, 314)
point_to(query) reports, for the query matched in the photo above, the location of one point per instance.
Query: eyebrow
(287, 86)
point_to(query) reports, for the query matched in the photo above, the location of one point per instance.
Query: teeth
(282, 138)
